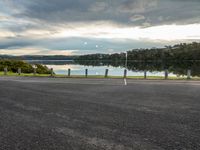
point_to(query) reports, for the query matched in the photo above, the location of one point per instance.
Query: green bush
(13, 66)
(40, 69)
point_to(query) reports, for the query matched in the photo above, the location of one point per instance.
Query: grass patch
(24, 74)
(97, 76)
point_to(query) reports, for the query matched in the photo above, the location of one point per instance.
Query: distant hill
(38, 57)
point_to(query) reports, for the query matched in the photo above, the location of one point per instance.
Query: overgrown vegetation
(13, 65)
(41, 69)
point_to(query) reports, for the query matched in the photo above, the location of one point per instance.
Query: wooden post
(106, 73)
(19, 71)
(5, 71)
(125, 73)
(145, 74)
(69, 72)
(86, 73)
(34, 71)
(189, 74)
(166, 74)
(51, 72)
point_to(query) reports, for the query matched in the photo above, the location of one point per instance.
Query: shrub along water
(13, 65)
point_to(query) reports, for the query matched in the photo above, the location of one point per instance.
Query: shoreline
(98, 76)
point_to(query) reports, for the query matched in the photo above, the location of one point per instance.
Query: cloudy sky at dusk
(67, 27)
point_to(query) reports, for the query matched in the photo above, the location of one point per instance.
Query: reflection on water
(116, 68)
(98, 70)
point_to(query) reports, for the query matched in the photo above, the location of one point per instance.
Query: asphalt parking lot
(98, 114)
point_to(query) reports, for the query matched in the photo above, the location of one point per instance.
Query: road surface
(98, 114)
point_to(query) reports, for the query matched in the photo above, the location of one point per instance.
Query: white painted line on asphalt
(125, 82)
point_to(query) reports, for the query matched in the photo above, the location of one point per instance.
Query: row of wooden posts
(166, 74)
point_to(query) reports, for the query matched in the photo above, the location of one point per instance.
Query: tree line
(179, 52)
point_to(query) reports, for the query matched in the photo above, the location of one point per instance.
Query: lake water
(61, 68)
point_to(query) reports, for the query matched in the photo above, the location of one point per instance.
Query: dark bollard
(106, 73)
(125, 73)
(34, 71)
(145, 74)
(51, 72)
(19, 71)
(166, 74)
(5, 71)
(189, 74)
(69, 72)
(86, 73)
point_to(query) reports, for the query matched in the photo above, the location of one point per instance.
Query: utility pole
(125, 71)
(126, 63)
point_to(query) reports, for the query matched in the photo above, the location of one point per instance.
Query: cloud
(138, 6)
(35, 51)
(164, 32)
(137, 18)
(3, 18)
(52, 13)
(118, 38)
(57, 25)
(98, 6)
(6, 34)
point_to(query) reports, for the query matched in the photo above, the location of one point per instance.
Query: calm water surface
(61, 67)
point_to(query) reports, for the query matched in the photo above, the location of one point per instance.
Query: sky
(74, 27)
